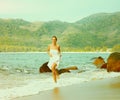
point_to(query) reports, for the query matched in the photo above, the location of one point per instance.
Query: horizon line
(12, 18)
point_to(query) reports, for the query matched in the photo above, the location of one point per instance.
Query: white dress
(54, 59)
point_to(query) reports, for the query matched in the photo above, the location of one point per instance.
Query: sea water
(19, 72)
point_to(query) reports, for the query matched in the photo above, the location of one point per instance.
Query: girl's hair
(54, 37)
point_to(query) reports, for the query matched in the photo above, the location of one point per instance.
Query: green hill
(103, 28)
(96, 32)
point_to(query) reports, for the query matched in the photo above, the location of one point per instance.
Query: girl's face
(54, 39)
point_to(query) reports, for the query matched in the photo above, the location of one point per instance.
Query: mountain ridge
(97, 31)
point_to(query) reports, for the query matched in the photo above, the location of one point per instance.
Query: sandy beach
(103, 89)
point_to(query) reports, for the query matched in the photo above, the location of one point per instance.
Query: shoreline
(103, 89)
(62, 52)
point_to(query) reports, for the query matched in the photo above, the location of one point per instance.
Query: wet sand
(104, 89)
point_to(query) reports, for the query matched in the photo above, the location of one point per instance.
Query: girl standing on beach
(54, 53)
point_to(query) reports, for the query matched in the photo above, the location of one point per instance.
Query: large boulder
(99, 62)
(113, 62)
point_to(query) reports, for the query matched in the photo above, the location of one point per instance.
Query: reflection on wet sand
(115, 85)
(56, 94)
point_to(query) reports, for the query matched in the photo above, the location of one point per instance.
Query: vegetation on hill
(97, 32)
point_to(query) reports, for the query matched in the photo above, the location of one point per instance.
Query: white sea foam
(19, 73)
(34, 84)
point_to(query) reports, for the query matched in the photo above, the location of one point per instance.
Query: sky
(49, 10)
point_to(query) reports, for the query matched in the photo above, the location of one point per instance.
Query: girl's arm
(48, 51)
(59, 50)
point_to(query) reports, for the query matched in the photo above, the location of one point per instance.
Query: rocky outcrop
(44, 68)
(99, 62)
(113, 62)
(104, 66)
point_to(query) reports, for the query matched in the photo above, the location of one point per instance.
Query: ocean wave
(29, 84)
(24, 70)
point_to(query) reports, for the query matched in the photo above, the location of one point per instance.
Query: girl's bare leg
(57, 74)
(54, 72)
